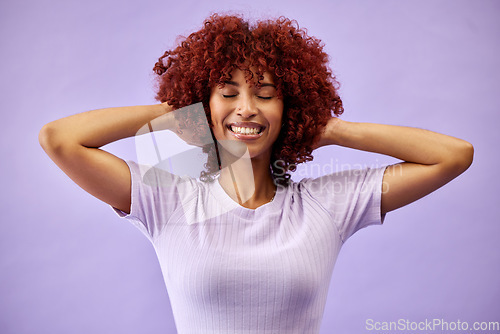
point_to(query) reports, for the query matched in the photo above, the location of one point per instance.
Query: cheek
(278, 115)
(279, 119)
(216, 120)
(214, 113)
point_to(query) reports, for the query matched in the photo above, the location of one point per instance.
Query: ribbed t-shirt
(230, 269)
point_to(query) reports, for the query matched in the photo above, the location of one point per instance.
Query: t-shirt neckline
(232, 205)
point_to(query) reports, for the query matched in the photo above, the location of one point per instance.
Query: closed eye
(260, 97)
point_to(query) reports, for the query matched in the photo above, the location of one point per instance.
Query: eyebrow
(234, 83)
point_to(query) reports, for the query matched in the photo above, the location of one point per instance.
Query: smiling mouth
(246, 130)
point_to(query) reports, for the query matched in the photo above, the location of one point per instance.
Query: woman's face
(246, 114)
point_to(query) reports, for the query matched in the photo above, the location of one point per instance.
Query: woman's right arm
(73, 144)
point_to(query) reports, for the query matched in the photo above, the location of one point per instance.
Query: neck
(247, 181)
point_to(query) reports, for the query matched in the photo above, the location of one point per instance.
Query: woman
(245, 249)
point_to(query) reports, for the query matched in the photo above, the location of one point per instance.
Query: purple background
(68, 264)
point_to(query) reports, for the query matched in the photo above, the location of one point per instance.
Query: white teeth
(245, 130)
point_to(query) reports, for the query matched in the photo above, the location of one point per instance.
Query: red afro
(295, 60)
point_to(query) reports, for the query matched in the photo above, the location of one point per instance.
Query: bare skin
(73, 144)
(430, 159)
(240, 103)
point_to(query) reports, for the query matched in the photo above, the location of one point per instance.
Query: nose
(246, 108)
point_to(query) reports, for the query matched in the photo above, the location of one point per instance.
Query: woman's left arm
(430, 159)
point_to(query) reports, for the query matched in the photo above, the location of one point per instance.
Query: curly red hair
(296, 61)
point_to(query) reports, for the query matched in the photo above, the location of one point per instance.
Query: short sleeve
(155, 195)
(351, 197)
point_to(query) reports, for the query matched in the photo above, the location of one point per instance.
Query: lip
(252, 125)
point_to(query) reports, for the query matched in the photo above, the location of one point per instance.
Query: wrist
(163, 118)
(165, 108)
(331, 132)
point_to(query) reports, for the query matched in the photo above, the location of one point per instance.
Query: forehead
(239, 75)
(237, 80)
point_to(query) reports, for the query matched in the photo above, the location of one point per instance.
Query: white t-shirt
(230, 269)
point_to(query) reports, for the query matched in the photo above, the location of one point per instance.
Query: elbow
(470, 153)
(467, 155)
(45, 135)
(49, 138)
(461, 158)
